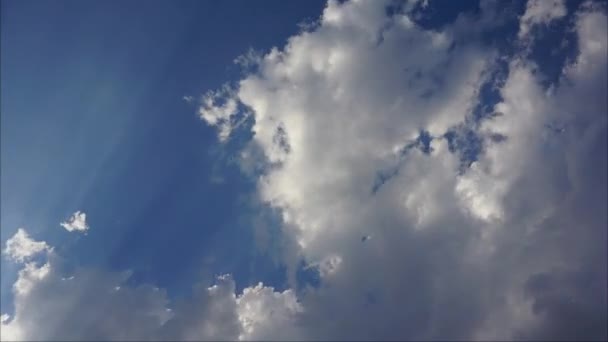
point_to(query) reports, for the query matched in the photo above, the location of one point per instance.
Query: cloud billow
(510, 247)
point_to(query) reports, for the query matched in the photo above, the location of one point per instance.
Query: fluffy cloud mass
(365, 125)
(337, 112)
(21, 247)
(92, 304)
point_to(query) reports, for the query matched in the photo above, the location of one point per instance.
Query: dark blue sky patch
(555, 46)
(464, 138)
(466, 143)
(489, 93)
(423, 142)
(307, 276)
(437, 14)
(501, 33)
(262, 269)
(395, 7)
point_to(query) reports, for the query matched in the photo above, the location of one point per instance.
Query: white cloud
(333, 109)
(267, 315)
(85, 306)
(97, 305)
(540, 12)
(219, 108)
(29, 276)
(510, 248)
(20, 247)
(92, 304)
(76, 222)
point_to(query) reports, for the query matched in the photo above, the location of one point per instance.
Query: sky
(304, 170)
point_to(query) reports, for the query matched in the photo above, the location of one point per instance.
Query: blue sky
(117, 108)
(94, 120)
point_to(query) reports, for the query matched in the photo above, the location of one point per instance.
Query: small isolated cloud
(76, 222)
(188, 98)
(21, 247)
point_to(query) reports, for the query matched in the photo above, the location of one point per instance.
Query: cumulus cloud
(339, 107)
(92, 304)
(20, 247)
(76, 222)
(88, 305)
(268, 315)
(351, 122)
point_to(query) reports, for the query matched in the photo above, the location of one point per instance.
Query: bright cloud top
(364, 124)
(338, 115)
(540, 12)
(76, 222)
(21, 247)
(44, 297)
